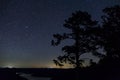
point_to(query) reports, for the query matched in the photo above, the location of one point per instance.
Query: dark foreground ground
(9, 74)
(92, 73)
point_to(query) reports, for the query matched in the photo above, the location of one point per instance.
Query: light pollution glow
(52, 65)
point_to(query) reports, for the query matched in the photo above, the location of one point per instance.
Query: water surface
(29, 77)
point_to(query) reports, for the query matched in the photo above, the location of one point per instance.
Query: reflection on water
(29, 77)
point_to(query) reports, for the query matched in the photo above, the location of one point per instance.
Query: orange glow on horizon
(33, 65)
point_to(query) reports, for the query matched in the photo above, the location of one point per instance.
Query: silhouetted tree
(111, 34)
(83, 30)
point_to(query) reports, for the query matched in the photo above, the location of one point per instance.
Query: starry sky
(27, 26)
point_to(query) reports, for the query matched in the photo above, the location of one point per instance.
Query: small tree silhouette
(82, 32)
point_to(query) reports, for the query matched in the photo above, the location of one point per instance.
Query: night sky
(27, 26)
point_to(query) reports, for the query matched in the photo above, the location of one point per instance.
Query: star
(26, 27)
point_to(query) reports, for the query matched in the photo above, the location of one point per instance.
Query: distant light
(10, 66)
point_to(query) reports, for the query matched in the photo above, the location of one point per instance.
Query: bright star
(26, 27)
